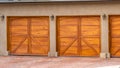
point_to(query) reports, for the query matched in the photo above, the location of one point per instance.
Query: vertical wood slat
(29, 35)
(40, 44)
(79, 37)
(63, 28)
(90, 45)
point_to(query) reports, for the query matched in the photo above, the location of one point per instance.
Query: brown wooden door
(28, 35)
(115, 36)
(78, 36)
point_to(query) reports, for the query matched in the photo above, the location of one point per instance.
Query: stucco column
(52, 52)
(3, 36)
(104, 36)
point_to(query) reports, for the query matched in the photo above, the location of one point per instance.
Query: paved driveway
(59, 62)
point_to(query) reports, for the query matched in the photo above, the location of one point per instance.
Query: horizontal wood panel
(68, 21)
(68, 31)
(40, 21)
(90, 21)
(40, 33)
(18, 22)
(38, 28)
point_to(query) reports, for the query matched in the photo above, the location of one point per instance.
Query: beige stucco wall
(47, 9)
(59, 9)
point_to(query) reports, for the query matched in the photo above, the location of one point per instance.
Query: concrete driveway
(59, 62)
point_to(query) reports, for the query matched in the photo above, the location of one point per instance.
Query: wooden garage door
(115, 36)
(28, 35)
(78, 36)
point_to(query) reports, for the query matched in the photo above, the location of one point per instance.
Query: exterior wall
(57, 9)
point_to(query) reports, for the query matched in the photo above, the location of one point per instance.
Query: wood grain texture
(115, 36)
(78, 36)
(28, 35)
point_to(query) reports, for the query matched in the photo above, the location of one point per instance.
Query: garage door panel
(117, 45)
(20, 22)
(30, 38)
(71, 44)
(40, 41)
(65, 49)
(19, 30)
(91, 41)
(68, 20)
(115, 36)
(70, 53)
(90, 50)
(70, 28)
(68, 23)
(115, 51)
(83, 33)
(73, 47)
(89, 27)
(40, 36)
(40, 46)
(40, 21)
(115, 33)
(89, 33)
(40, 33)
(38, 49)
(16, 45)
(38, 28)
(68, 34)
(114, 48)
(88, 53)
(93, 48)
(115, 40)
(115, 27)
(117, 54)
(90, 21)
(115, 24)
(90, 30)
(21, 50)
(17, 40)
(43, 23)
(116, 20)
(18, 49)
(66, 41)
(90, 46)
(68, 31)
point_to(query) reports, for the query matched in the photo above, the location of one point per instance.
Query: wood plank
(40, 45)
(66, 44)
